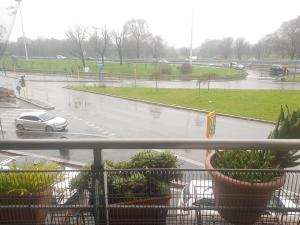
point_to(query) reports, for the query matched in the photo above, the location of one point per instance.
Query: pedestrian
(19, 90)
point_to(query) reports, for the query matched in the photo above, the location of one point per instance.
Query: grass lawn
(259, 104)
(293, 79)
(140, 69)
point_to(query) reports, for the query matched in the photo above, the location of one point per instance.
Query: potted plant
(27, 186)
(129, 186)
(250, 191)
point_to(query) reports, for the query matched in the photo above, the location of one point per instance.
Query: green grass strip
(130, 69)
(258, 104)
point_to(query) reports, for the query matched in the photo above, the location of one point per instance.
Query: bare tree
(103, 42)
(118, 38)
(77, 36)
(209, 48)
(157, 46)
(139, 31)
(3, 31)
(226, 47)
(290, 31)
(240, 47)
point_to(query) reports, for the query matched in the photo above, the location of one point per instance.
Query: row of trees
(283, 43)
(135, 41)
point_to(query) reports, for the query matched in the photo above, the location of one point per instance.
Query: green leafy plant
(124, 182)
(287, 127)
(245, 160)
(29, 179)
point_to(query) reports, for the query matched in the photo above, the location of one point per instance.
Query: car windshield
(47, 116)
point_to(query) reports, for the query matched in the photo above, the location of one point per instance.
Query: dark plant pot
(141, 216)
(244, 198)
(21, 216)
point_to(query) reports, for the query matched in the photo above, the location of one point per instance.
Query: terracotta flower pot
(243, 197)
(28, 216)
(139, 216)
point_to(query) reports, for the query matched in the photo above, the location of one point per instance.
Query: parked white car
(235, 65)
(40, 120)
(60, 57)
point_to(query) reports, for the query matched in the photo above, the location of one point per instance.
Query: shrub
(125, 183)
(165, 69)
(186, 68)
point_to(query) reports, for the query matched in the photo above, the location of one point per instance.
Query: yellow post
(210, 128)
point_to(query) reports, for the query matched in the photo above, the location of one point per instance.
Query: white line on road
(197, 163)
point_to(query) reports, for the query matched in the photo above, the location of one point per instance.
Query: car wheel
(49, 129)
(20, 127)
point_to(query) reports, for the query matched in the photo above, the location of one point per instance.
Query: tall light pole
(191, 44)
(24, 38)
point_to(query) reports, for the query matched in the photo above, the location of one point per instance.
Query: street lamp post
(24, 38)
(191, 44)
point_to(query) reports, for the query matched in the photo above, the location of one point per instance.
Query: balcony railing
(190, 197)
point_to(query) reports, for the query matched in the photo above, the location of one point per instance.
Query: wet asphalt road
(108, 117)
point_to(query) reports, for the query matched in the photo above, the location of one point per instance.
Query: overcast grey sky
(171, 19)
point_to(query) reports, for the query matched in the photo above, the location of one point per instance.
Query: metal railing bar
(121, 206)
(54, 207)
(151, 169)
(201, 144)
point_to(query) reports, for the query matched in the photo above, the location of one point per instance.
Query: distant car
(60, 57)
(235, 65)
(277, 70)
(199, 193)
(163, 61)
(40, 120)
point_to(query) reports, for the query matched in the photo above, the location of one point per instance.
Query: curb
(64, 162)
(178, 107)
(116, 80)
(46, 106)
(75, 81)
(10, 107)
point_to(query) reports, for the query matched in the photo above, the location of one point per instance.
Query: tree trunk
(83, 62)
(138, 49)
(102, 59)
(120, 57)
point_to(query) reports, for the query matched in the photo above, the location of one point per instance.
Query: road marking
(27, 110)
(6, 124)
(192, 161)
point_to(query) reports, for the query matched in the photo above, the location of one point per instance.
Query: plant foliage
(32, 180)
(245, 160)
(124, 182)
(186, 68)
(287, 127)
